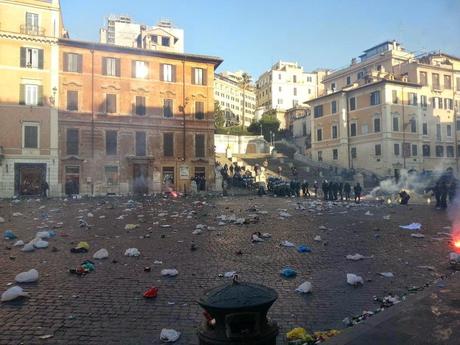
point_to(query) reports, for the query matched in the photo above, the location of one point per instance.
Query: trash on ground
(317, 238)
(287, 244)
(27, 277)
(132, 252)
(354, 279)
(101, 254)
(418, 235)
(412, 226)
(18, 243)
(151, 293)
(131, 226)
(303, 249)
(169, 272)
(387, 274)
(257, 237)
(305, 287)
(82, 247)
(12, 293)
(299, 333)
(86, 267)
(357, 257)
(288, 272)
(169, 335)
(9, 235)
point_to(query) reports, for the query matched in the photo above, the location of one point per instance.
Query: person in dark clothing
(437, 194)
(305, 190)
(324, 187)
(69, 187)
(404, 197)
(357, 189)
(335, 190)
(347, 190)
(45, 187)
(444, 190)
(341, 191)
(330, 189)
(231, 169)
(315, 188)
(452, 190)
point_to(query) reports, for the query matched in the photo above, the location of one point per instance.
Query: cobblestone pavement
(107, 307)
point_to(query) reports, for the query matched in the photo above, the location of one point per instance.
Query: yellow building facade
(29, 69)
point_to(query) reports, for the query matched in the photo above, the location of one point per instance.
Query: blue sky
(253, 34)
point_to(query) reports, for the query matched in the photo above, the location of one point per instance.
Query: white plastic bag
(29, 247)
(197, 231)
(305, 287)
(27, 277)
(101, 254)
(355, 257)
(171, 272)
(354, 279)
(19, 243)
(132, 252)
(13, 293)
(40, 244)
(42, 235)
(287, 244)
(169, 335)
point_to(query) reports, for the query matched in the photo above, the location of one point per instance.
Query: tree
(219, 115)
(244, 84)
(267, 124)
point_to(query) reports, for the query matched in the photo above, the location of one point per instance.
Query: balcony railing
(32, 30)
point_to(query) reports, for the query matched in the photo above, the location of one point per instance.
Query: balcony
(32, 30)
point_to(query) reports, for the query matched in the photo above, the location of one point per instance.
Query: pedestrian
(452, 190)
(437, 194)
(324, 187)
(341, 191)
(357, 189)
(280, 169)
(330, 189)
(231, 169)
(444, 191)
(404, 198)
(347, 190)
(335, 189)
(315, 188)
(305, 190)
(45, 187)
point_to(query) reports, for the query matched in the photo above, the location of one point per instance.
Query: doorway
(72, 180)
(140, 179)
(28, 178)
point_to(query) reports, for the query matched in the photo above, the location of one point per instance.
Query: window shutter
(40, 95)
(133, 69)
(103, 105)
(23, 57)
(193, 75)
(162, 72)
(117, 66)
(205, 76)
(147, 66)
(22, 94)
(65, 62)
(79, 63)
(173, 72)
(104, 66)
(40, 58)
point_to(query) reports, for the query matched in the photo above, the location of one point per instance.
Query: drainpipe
(92, 119)
(183, 108)
(350, 166)
(403, 129)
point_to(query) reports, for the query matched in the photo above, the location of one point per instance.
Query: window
(426, 150)
(154, 38)
(168, 108)
(168, 73)
(335, 154)
(199, 76)
(199, 110)
(448, 103)
(279, 76)
(449, 130)
(294, 78)
(111, 142)
(414, 150)
(376, 124)
(73, 62)
(375, 97)
(31, 136)
(449, 151)
(31, 58)
(457, 124)
(435, 79)
(348, 80)
(280, 88)
(72, 100)
(295, 103)
(394, 97)
(437, 103)
(318, 111)
(413, 125)
(319, 134)
(395, 124)
(111, 67)
(31, 94)
(140, 69)
(295, 91)
(425, 128)
(141, 149)
(304, 129)
(353, 129)
(140, 106)
(447, 82)
(334, 132)
(458, 83)
(378, 150)
(110, 103)
(423, 78)
(353, 152)
(412, 98)
(439, 151)
(32, 23)
(111, 175)
(320, 156)
(423, 101)
(406, 149)
(360, 75)
(168, 144)
(199, 145)
(72, 142)
(438, 132)
(352, 103)
(364, 129)
(333, 86)
(333, 107)
(165, 41)
(396, 149)
(280, 101)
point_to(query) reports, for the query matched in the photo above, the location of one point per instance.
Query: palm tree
(244, 84)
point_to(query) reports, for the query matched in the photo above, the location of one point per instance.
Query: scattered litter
(101, 254)
(40, 244)
(132, 252)
(305, 287)
(13, 293)
(257, 237)
(284, 214)
(412, 226)
(354, 279)
(46, 336)
(169, 272)
(288, 272)
(131, 226)
(303, 249)
(299, 334)
(9, 235)
(151, 293)
(430, 268)
(169, 335)
(387, 274)
(317, 238)
(86, 267)
(82, 247)
(27, 277)
(266, 235)
(287, 244)
(17, 214)
(29, 247)
(322, 227)
(368, 213)
(229, 274)
(357, 257)
(387, 217)
(18, 243)
(418, 235)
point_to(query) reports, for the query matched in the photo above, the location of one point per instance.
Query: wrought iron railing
(32, 30)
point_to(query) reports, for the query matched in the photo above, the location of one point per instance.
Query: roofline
(138, 51)
(378, 45)
(366, 85)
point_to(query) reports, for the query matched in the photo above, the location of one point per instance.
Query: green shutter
(22, 94)
(40, 58)
(23, 57)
